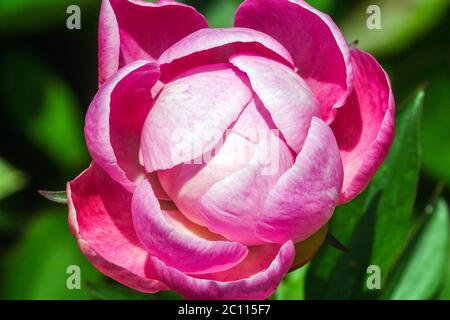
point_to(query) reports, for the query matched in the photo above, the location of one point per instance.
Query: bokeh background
(48, 75)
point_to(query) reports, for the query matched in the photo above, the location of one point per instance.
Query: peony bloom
(219, 155)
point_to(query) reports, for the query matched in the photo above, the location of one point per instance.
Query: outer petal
(284, 93)
(238, 283)
(100, 219)
(208, 46)
(115, 119)
(304, 198)
(191, 115)
(132, 30)
(364, 127)
(179, 242)
(318, 48)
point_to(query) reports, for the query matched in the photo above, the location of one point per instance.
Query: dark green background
(49, 76)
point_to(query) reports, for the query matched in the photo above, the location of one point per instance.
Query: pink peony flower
(220, 153)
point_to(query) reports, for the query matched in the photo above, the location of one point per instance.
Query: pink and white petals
(231, 206)
(208, 46)
(304, 198)
(157, 188)
(177, 241)
(243, 286)
(108, 43)
(187, 183)
(364, 127)
(284, 93)
(318, 48)
(100, 219)
(219, 155)
(191, 115)
(115, 118)
(131, 30)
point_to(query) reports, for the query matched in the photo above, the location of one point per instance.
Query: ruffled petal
(100, 218)
(208, 46)
(131, 30)
(115, 118)
(304, 198)
(316, 44)
(364, 127)
(284, 93)
(191, 115)
(179, 242)
(255, 278)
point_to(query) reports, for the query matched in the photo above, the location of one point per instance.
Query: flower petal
(191, 115)
(238, 283)
(304, 198)
(115, 119)
(225, 191)
(284, 93)
(187, 183)
(231, 205)
(208, 46)
(364, 127)
(179, 242)
(316, 44)
(100, 218)
(131, 30)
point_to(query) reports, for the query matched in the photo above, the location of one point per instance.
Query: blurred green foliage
(420, 270)
(12, 180)
(47, 110)
(31, 16)
(376, 224)
(49, 77)
(293, 285)
(436, 124)
(401, 23)
(106, 290)
(37, 267)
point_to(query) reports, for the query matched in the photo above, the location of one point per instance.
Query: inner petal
(284, 93)
(226, 193)
(191, 114)
(207, 46)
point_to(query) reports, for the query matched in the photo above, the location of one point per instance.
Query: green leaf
(374, 226)
(444, 291)
(402, 21)
(37, 267)
(114, 291)
(397, 180)
(418, 273)
(435, 127)
(55, 196)
(11, 180)
(293, 286)
(335, 243)
(45, 111)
